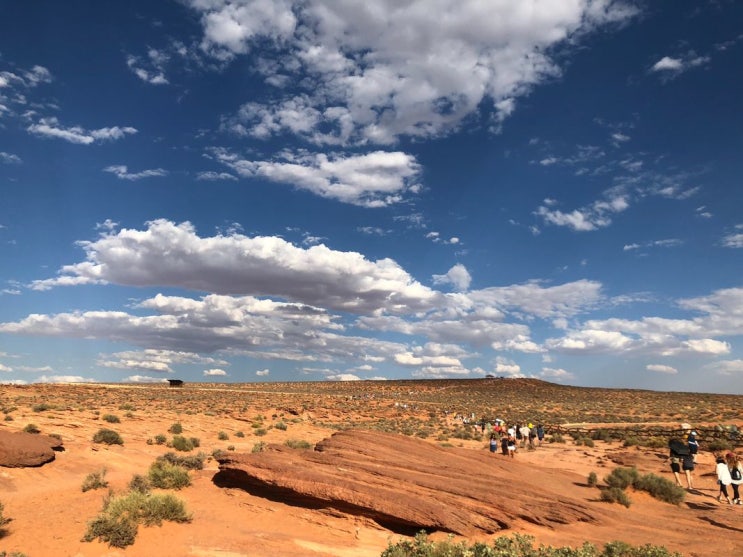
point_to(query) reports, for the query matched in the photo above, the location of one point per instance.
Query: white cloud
(155, 74)
(215, 176)
(64, 379)
(595, 216)
(555, 374)
(5, 368)
(215, 372)
(734, 240)
(457, 276)
(376, 179)
(122, 172)
(262, 372)
(727, 367)
(365, 77)
(674, 66)
(668, 64)
(9, 158)
(143, 379)
(50, 127)
(343, 377)
(169, 254)
(659, 368)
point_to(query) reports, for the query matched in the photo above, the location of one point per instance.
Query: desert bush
(160, 439)
(108, 436)
(716, 445)
(280, 425)
(602, 435)
(615, 495)
(586, 441)
(180, 443)
(140, 484)
(217, 454)
(118, 522)
(127, 406)
(239, 434)
(557, 438)
(258, 447)
(660, 488)
(515, 546)
(110, 418)
(12, 554)
(260, 432)
(622, 477)
(656, 443)
(297, 444)
(176, 428)
(95, 480)
(164, 475)
(195, 441)
(230, 447)
(42, 407)
(3, 519)
(32, 428)
(631, 441)
(222, 436)
(190, 462)
(593, 479)
(8, 418)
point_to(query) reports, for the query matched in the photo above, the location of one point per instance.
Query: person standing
(675, 459)
(723, 478)
(687, 465)
(693, 443)
(736, 475)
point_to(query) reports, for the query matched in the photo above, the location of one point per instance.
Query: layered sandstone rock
(404, 483)
(20, 449)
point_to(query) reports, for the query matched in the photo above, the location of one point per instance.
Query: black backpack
(735, 473)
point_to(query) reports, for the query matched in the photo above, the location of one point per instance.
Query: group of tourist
(728, 467)
(509, 437)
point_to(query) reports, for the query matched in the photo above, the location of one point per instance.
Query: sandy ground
(49, 511)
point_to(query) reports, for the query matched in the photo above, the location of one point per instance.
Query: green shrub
(515, 546)
(557, 438)
(615, 495)
(110, 418)
(180, 443)
(280, 425)
(258, 447)
(593, 479)
(108, 436)
(602, 435)
(622, 477)
(260, 432)
(660, 488)
(140, 484)
(176, 428)
(297, 444)
(32, 428)
(160, 439)
(719, 445)
(239, 434)
(230, 447)
(41, 407)
(195, 441)
(164, 475)
(118, 522)
(631, 441)
(95, 480)
(222, 436)
(190, 462)
(3, 519)
(8, 418)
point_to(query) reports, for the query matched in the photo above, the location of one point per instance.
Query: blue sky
(273, 190)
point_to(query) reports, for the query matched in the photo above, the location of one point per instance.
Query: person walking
(675, 459)
(693, 443)
(736, 475)
(723, 478)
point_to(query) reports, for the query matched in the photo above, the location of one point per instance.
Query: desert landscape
(348, 468)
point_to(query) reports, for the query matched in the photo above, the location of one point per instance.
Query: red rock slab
(20, 449)
(404, 483)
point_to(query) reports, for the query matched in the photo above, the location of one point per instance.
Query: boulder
(21, 449)
(404, 484)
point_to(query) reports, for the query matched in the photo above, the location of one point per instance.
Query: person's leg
(688, 479)
(736, 493)
(678, 478)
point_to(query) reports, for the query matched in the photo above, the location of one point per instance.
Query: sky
(305, 190)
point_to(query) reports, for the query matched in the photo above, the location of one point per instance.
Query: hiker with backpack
(723, 478)
(681, 459)
(736, 475)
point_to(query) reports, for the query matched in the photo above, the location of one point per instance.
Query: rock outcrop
(404, 484)
(21, 449)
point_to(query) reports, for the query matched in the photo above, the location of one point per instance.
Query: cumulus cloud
(595, 216)
(64, 379)
(659, 368)
(669, 66)
(376, 179)
(364, 77)
(735, 239)
(168, 254)
(50, 127)
(458, 276)
(343, 377)
(215, 176)
(122, 172)
(143, 379)
(215, 372)
(262, 372)
(150, 70)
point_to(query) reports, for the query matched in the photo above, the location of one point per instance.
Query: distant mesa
(20, 449)
(404, 484)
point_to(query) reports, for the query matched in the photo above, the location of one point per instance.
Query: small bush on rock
(108, 436)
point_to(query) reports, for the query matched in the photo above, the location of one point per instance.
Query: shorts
(675, 467)
(688, 466)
